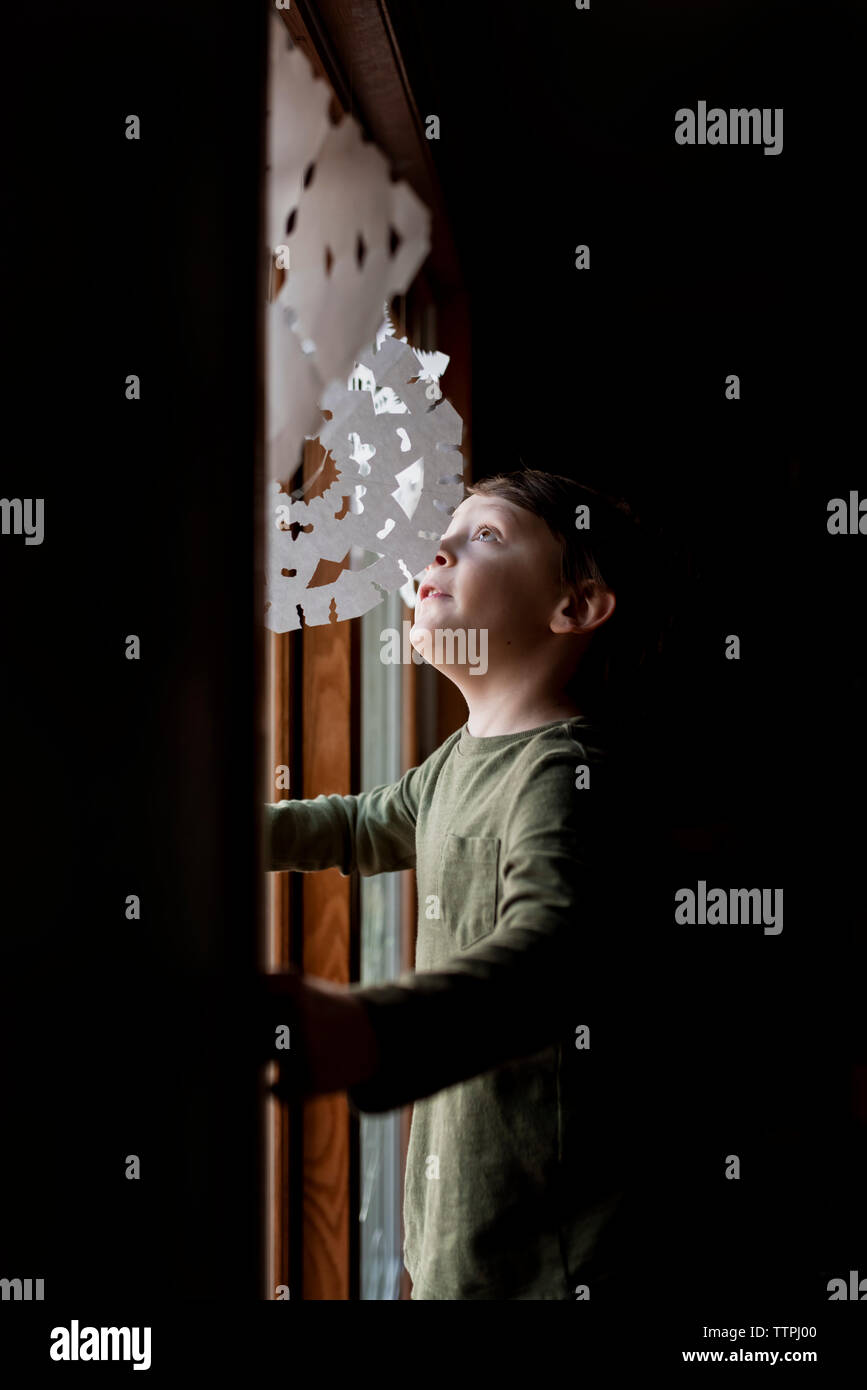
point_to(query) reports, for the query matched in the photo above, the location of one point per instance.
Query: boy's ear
(576, 613)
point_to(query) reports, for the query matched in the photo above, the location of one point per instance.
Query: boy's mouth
(431, 591)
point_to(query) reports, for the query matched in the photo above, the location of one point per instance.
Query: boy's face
(498, 568)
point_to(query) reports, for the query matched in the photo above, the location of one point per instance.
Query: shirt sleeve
(527, 983)
(373, 832)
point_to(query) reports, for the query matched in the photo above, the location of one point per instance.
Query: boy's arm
(373, 832)
(527, 984)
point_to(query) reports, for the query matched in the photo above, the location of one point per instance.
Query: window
(342, 721)
(382, 957)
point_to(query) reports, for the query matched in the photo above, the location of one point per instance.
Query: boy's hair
(613, 553)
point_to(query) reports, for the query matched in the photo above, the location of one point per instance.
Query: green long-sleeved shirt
(512, 1169)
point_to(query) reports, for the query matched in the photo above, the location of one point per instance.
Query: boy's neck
(512, 715)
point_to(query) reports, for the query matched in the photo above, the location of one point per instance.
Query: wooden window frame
(314, 715)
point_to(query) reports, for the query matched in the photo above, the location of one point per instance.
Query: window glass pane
(381, 713)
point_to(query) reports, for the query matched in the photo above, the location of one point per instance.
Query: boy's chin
(445, 619)
(423, 631)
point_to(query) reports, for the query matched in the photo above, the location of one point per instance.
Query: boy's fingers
(281, 996)
(285, 1087)
(280, 984)
(293, 1080)
(276, 1014)
(310, 1027)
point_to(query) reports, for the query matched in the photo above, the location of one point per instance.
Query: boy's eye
(482, 527)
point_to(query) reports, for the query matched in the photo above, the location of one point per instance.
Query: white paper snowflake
(396, 443)
(344, 236)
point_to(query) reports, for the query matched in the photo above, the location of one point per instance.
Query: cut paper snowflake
(397, 451)
(343, 234)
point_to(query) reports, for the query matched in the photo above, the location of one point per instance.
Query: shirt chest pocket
(468, 887)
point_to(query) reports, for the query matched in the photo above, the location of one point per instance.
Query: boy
(501, 1036)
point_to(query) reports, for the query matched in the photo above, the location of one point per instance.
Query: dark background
(557, 129)
(122, 1037)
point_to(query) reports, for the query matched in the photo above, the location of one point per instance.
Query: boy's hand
(332, 1044)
